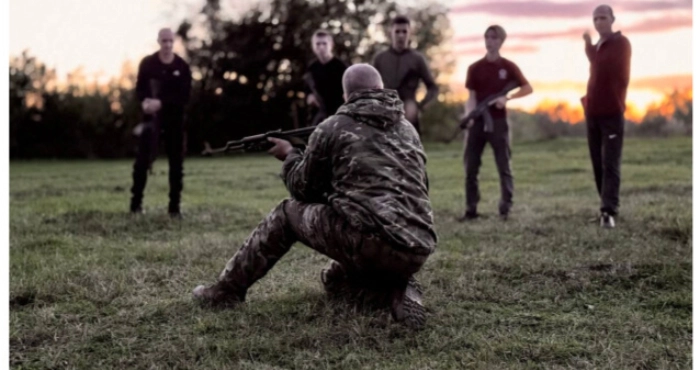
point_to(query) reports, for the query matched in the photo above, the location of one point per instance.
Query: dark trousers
(476, 140)
(605, 136)
(171, 126)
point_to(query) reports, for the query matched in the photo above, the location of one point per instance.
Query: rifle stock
(321, 111)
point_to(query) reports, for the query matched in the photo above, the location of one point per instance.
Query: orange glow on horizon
(560, 111)
(666, 107)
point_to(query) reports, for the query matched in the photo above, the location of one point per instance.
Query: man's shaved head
(361, 77)
(604, 9)
(603, 19)
(165, 32)
(166, 38)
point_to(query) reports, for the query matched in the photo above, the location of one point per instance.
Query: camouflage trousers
(319, 227)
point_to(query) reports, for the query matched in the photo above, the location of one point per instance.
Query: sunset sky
(544, 39)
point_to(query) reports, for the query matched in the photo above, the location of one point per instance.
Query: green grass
(91, 287)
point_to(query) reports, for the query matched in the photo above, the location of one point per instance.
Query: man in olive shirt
(402, 68)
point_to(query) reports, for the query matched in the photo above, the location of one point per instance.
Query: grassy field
(92, 287)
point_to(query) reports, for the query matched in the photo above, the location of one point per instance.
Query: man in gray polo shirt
(402, 68)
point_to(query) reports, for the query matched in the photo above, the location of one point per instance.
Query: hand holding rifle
(482, 109)
(281, 149)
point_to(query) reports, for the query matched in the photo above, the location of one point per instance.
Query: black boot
(174, 210)
(407, 305)
(135, 205)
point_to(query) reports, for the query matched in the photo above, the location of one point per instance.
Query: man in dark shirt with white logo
(488, 76)
(402, 68)
(163, 88)
(324, 78)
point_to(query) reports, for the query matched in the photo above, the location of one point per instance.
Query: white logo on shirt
(502, 74)
(176, 73)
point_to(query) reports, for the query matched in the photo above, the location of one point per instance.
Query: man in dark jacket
(324, 78)
(163, 88)
(359, 195)
(604, 105)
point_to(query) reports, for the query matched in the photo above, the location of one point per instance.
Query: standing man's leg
(146, 152)
(416, 125)
(175, 148)
(475, 141)
(412, 114)
(595, 148)
(612, 136)
(500, 142)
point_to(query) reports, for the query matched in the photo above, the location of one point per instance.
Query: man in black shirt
(324, 78)
(163, 88)
(402, 68)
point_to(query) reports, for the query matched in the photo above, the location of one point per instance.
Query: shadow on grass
(226, 218)
(51, 191)
(673, 190)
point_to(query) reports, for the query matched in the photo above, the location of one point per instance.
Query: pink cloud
(650, 25)
(527, 36)
(660, 24)
(514, 49)
(550, 9)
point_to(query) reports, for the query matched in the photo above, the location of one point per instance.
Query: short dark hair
(500, 32)
(321, 33)
(401, 19)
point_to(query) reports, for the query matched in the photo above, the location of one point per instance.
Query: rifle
(150, 129)
(482, 109)
(155, 122)
(155, 90)
(321, 114)
(259, 142)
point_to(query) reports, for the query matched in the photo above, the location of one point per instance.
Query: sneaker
(504, 216)
(607, 221)
(468, 216)
(216, 296)
(407, 305)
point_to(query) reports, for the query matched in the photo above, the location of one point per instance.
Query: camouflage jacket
(368, 163)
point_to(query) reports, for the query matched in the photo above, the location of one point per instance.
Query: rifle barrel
(250, 141)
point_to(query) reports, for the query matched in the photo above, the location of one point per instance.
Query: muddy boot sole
(407, 306)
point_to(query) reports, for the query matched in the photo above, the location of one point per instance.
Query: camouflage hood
(379, 108)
